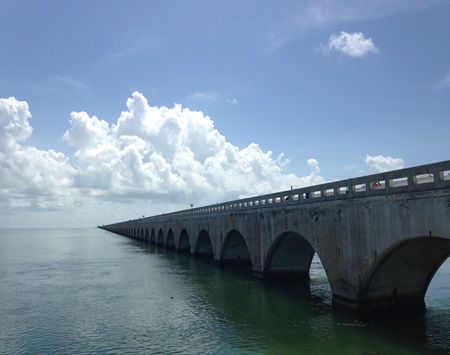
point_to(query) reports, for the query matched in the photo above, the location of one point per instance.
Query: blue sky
(114, 109)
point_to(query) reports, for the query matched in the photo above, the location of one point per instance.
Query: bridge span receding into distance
(380, 238)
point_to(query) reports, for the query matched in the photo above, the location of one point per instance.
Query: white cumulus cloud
(14, 124)
(30, 177)
(380, 163)
(352, 44)
(172, 153)
(151, 156)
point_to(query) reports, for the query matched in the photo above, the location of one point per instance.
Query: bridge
(380, 238)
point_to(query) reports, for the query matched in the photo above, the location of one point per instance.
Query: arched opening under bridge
(438, 291)
(184, 245)
(170, 244)
(203, 249)
(160, 240)
(152, 237)
(402, 274)
(293, 266)
(234, 250)
(289, 257)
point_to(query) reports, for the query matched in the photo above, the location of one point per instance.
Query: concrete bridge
(380, 238)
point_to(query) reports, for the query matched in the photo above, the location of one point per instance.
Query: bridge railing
(415, 179)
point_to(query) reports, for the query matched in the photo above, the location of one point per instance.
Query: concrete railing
(416, 179)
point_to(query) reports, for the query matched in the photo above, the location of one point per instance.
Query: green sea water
(87, 291)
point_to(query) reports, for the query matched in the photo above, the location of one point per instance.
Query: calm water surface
(90, 291)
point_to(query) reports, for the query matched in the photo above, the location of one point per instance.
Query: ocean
(88, 291)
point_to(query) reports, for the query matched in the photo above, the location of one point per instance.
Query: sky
(114, 110)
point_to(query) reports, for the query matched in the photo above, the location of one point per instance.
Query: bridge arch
(170, 243)
(146, 237)
(160, 240)
(289, 256)
(402, 274)
(203, 248)
(183, 244)
(152, 237)
(234, 250)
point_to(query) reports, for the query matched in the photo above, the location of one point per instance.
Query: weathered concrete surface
(378, 248)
